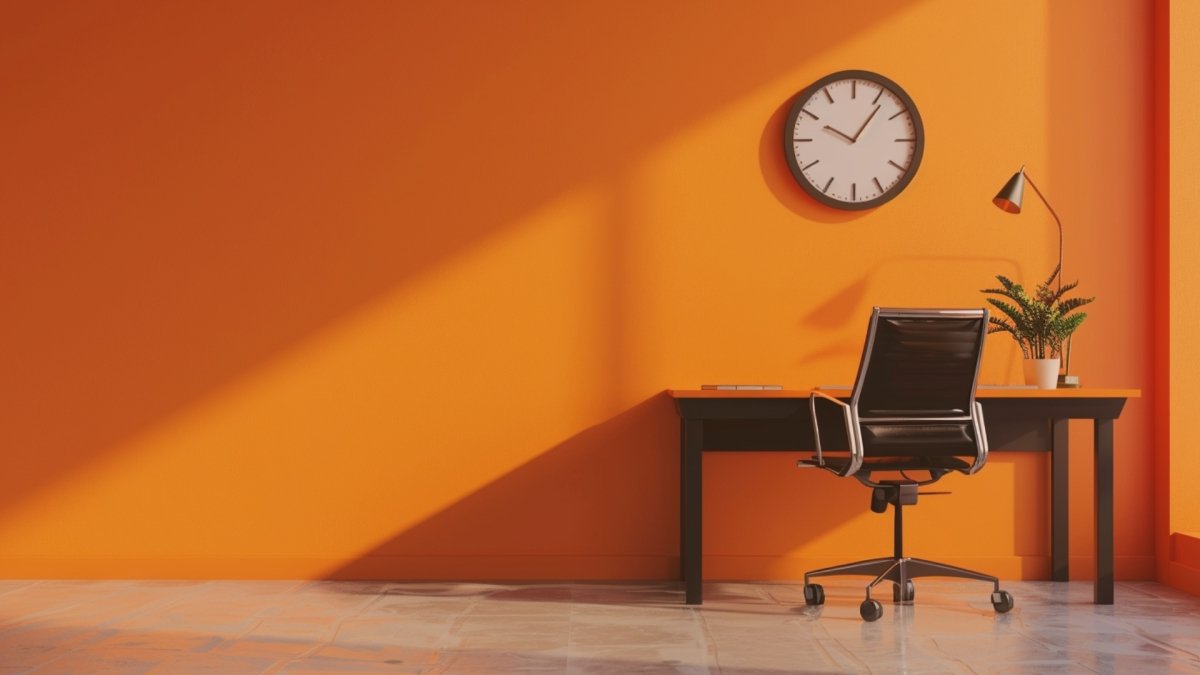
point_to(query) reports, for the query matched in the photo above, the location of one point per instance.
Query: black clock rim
(790, 154)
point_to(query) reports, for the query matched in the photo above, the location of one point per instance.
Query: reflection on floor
(743, 628)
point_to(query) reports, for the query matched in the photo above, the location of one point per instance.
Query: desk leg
(1104, 512)
(1060, 517)
(691, 444)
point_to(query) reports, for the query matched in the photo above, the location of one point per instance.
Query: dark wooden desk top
(983, 392)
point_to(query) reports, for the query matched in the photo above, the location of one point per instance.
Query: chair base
(900, 571)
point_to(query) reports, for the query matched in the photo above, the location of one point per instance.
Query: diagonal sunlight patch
(419, 399)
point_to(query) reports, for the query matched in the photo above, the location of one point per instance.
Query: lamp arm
(1057, 221)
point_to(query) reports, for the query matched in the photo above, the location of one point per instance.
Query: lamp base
(1068, 381)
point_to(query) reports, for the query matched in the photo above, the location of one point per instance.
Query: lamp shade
(1009, 196)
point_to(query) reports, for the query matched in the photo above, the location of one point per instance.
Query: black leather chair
(912, 418)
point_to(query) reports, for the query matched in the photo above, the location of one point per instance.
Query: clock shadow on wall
(779, 180)
(851, 142)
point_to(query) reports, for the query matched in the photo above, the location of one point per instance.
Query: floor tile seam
(572, 626)
(284, 663)
(707, 640)
(299, 587)
(154, 606)
(278, 666)
(31, 621)
(248, 631)
(215, 590)
(70, 651)
(327, 642)
(848, 655)
(449, 640)
(57, 609)
(1153, 590)
(1178, 651)
(577, 621)
(947, 656)
(22, 587)
(1034, 636)
(361, 610)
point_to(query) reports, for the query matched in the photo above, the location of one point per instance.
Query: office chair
(912, 414)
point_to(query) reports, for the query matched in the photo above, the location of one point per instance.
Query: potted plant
(1040, 323)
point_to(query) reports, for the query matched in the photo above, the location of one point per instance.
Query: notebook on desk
(742, 387)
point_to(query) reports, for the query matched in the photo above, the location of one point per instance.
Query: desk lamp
(1008, 199)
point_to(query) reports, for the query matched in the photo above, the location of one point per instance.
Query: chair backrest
(915, 390)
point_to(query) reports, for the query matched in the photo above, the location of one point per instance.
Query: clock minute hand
(845, 136)
(864, 124)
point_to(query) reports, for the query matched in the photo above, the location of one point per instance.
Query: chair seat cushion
(897, 463)
(940, 439)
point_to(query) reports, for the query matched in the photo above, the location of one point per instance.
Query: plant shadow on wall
(846, 311)
(281, 185)
(557, 516)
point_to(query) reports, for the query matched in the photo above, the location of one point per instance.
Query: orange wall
(394, 289)
(1179, 565)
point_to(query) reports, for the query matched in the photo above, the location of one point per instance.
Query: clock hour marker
(830, 169)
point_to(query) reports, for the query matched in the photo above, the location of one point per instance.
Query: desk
(1016, 420)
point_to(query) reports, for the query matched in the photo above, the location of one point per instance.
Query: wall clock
(853, 139)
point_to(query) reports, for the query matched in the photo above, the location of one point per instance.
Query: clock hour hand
(845, 136)
(864, 124)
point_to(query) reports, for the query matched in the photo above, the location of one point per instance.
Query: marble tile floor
(742, 629)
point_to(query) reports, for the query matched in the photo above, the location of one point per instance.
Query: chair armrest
(856, 453)
(981, 435)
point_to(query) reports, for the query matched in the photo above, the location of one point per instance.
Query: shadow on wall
(778, 177)
(849, 307)
(621, 475)
(202, 187)
(616, 481)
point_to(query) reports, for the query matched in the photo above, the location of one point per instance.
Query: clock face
(853, 139)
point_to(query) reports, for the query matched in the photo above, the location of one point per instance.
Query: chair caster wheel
(909, 594)
(870, 610)
(1002, 601)
(814, 595)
